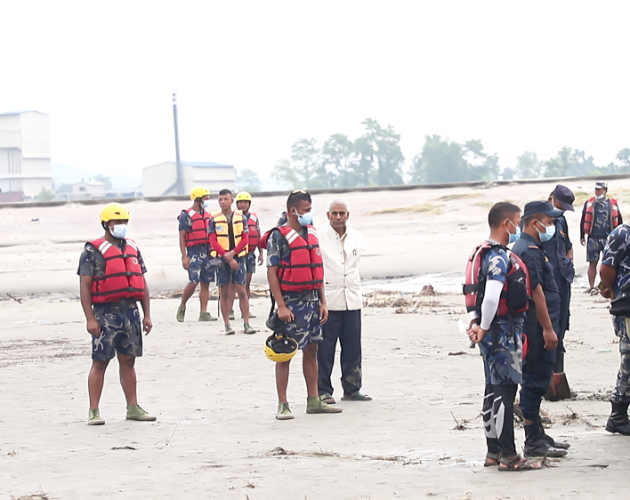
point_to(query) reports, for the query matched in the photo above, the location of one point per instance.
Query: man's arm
(284, 313)
(542, 315)
(582, 223)
(145, 303)
(323, 306)
(608, 275)
(182, 248)
(85, 292)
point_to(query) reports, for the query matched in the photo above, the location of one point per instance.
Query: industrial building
(161, 179)
(24, 155)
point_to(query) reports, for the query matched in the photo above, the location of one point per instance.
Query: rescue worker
(194, 244)
(541, 325)
(295, 274)
(615, 276)
(559, 250)
(340, 247)
(111, 272)
(229, 239)
(498, 331)
(600, 216)
(244, 203)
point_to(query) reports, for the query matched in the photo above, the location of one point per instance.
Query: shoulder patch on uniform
(535, 247)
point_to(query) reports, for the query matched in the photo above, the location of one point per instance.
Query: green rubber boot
(316, 405)
(206, 316)
(134, 412)
(248, 329)
(181, 312)
(231, 315)
(94, 418)
(229, 330)
(284, 412)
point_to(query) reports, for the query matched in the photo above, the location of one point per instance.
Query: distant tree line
(376, 159)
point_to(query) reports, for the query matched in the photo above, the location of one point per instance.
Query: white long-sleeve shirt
(341, 256)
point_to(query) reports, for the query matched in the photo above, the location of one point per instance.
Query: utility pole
(180, 173)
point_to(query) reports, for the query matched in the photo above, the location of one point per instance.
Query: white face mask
(600, 197)
(118, 231)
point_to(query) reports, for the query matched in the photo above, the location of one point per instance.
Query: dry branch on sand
(279, 451)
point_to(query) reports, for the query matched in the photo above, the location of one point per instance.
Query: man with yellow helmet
(111, 272)
(243, 203)
(194, 244)
(229, 237)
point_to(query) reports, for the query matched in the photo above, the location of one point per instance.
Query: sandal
(517, 464)
(492, 460)
(594, 291)
(328, 399)
(356, 396)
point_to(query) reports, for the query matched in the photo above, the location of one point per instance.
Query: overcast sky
(254, 76)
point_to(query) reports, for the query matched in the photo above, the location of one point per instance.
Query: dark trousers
(536, 378)
(498, 419)
(345, 326)
(564, 287)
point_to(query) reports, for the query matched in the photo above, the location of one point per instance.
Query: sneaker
(229, 330)
(181, 312)
(134, 412)
(284, 412)
(231, 316)
(94, 418)
(316, 405)
(251, 315)
(248, 329)
(206, 316)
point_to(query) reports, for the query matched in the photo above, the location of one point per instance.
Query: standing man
(295, 274)
(341, 251)
(111, 272)
(541, 325)
(229, 239)
(498, 330)
(600, 216)
(615, 275)
(243, 203)
(560, 252)
(194, 245)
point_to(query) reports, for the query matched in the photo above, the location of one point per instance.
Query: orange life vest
(198, 235)
(222, 230)
(304, 270)
(589, 214)
(254, 237)
(123, 278)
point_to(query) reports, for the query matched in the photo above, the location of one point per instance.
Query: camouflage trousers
(121, 330)
(305, 327)
(621, 394)
(501, 348)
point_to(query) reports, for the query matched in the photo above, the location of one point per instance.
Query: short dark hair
(530, 218)
(224, 192)
(501, 211)
(296, 197)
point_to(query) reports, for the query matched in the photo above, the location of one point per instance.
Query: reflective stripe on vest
(222, 230)
(254, 237)
(305, 270)
(198, 235)
(123, 278)
(589, 214)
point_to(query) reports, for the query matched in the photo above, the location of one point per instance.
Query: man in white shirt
(341, 251)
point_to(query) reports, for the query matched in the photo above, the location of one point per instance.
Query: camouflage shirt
(617, 255)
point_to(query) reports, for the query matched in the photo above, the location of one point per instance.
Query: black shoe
(561, 445)
(618, 420)
(536, 447)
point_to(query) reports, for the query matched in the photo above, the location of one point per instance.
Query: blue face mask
(305, 219)
(516, 235)
(548, 234)
(206, 203)
(118, 231)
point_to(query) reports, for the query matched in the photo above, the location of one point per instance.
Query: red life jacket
(305, 270)
(589, 214)
(123, 277)
(516, 289)
(254, 237)
(198, 235)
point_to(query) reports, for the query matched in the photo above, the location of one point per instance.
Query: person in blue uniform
(541, 324)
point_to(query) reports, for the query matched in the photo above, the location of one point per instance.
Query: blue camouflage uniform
(501, 348)
(538, 365)
(199, 269)
(250, 258)
(563, 272)
(617, 256)
(305, 327)
(121, 328)
(600, 230)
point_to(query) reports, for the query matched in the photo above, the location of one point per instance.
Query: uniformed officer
(498, 332)
(615, 275)
(600, 216)
(541, 324)
(559, 250)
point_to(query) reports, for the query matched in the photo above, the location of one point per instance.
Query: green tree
(382, 146)
(528, 166)
(480, 165)
(339, 158)
(570, 163)
(45, 195)
(441, 160)
(105, 180)
(304, 169)
(247, 180)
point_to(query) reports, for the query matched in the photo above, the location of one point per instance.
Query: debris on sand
(37, 496)
(460, 426)
(123, 448)
(279, 451)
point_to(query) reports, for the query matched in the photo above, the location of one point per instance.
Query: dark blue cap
(541, 207)
(564, 196)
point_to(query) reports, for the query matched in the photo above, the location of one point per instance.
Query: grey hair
(339, 201)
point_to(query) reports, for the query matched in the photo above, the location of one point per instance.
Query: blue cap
(564, 196)
(541, 207)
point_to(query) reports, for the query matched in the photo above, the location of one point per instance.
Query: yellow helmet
(244, 196)
(199, 192)
(279, 348)
(114, 211)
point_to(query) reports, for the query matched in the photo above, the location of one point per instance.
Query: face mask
(305, 219)
(600, 197)
(548, 234)
(516, 235)
(206, 203)
(118, 231)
